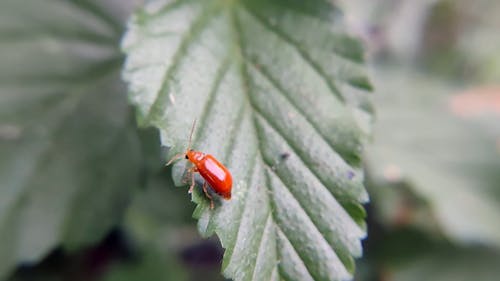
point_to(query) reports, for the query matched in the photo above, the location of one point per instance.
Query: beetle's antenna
(191, 135)
(177, 156)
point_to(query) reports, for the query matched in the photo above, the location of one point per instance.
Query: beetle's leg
(192, 170)
(205, 186)
(187, 175)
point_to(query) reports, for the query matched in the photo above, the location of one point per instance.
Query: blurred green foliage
(432, 169)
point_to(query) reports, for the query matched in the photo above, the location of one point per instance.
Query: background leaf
(407, 253)
(449, 161)
(151, 222)
(69, 149)
(281, 98)
(161, 232)
(448, 264)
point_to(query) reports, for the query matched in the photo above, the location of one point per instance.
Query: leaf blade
(230, 78)
(61, 100)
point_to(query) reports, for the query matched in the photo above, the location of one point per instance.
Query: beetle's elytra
(216, 175)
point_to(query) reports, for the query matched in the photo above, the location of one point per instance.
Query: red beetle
(216, 175)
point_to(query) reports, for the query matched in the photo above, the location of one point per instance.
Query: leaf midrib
(237, 31)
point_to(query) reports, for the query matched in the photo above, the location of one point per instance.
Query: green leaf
(151, 222)
(152, 265)
(69, 150)
(407, 254)
(280, 96)
(452, 265)
(450, 162)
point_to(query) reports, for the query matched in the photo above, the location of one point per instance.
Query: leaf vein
(167, 8)
(93, 9)
(278, 229)
(198, 25)
(303, 209)
(246, 90)
(297, 152)
(259, 255)
(294, 105)
(219, 76)
(303, 54)
(232, 142)
(234, 133)
(273, 274)
(289, 142)
(245, 204)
